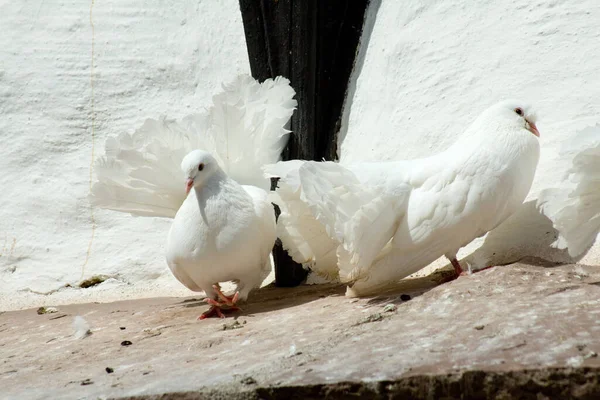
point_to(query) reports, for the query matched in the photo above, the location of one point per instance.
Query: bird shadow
(272, 298)
(410, 288)
(528, 236)
(368, 26)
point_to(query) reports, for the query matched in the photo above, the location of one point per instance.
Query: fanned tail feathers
(362, 219)
(302, 236)
(140, 172)
(249, 122)
(575, 208)
(244, 129)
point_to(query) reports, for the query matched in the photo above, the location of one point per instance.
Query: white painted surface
(151, 58)
(429, 69)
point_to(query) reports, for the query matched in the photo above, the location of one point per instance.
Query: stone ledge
(519, 331)
(553, 383)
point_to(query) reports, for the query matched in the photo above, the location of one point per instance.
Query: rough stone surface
(521, 331)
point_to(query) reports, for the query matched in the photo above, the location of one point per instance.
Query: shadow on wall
(369, 23)
(527, 233)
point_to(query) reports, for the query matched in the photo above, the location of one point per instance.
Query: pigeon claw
(213, 311)
(216, 309)
(213, 302)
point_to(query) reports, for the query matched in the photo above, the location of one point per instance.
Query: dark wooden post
(313, 43)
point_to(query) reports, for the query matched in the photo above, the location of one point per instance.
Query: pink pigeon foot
(228, 300)
(213, 311)
(460, 272)
(216, 309)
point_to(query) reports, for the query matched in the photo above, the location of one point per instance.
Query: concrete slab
(520, 331)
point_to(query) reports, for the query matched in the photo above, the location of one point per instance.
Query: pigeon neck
(211, 185)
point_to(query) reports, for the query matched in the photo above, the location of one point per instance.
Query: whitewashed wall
(431, 67)
(151, 58)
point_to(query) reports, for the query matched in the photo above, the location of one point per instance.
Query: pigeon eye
(519, 111)
(201, 167)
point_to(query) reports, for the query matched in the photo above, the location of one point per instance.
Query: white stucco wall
(151, 58)
(430, 67)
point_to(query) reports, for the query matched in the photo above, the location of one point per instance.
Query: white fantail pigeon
(370, 224)
(224, 223)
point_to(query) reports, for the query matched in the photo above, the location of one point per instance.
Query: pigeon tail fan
(244, 129)
(140, 172)
(302, 236)
(574, 208)
(362, 219)
(249, 126)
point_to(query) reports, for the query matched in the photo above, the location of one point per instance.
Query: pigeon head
(198, 166)
(513, 114)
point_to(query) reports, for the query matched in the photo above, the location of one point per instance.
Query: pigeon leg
(228, 300)
(215, 309)
(215, 303)
(457, 268)
(459, 271)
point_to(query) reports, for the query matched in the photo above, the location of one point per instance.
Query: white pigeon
(224, 226)
(574, 205)
(371, 224)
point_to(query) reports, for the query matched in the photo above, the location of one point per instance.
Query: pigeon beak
(189, 183)
(530, 126)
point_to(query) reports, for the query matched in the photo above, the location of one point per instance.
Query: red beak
(533, 129)
(189, 183)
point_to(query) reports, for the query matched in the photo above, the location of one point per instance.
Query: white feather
(361, 218)
(222, 232)
(244, 129)
(81, 327)
(302, 236)
(224, 229)
(574, 206)
(387, 220)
